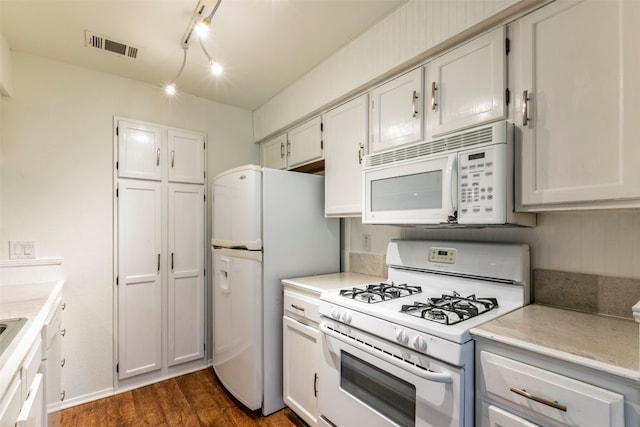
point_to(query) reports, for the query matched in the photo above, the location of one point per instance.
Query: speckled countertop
(323, 282)
(35, 302)
(605, 343)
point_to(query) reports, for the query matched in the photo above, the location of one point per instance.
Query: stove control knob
(401, 336)
(335, 313)
(420, 343)
(346, 317)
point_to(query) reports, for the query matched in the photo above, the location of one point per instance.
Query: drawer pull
(530, 396)
(63, 362)
(63, 394)
(63, 332)
(297, 307)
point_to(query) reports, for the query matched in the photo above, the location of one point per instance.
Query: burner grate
(378, 292)
(450, 309)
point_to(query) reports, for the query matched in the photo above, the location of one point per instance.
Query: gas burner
(377, 292)
(450, 308)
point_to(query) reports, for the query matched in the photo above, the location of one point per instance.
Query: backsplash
(614, 296)
(368, 263)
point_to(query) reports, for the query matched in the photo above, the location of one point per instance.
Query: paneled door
(139, 150)
(186, 157)
(186, 273)
(139, 277)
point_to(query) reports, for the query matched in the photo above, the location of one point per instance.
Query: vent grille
(98, 41)
(443, 145)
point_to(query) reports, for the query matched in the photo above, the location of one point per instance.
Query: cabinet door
(139, 151)
(578, 95)
(300, 378)
(305, 143)
(186, 157)
(501, 418)
(186, 273)
(274, 153)
(11, 403)
(345, 136)
(466, 86)
(396, 112)
(31, 414)
(139, 277)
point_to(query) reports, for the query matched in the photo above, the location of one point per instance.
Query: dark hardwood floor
(195, 399)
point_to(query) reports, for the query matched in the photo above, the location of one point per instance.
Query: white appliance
(465, 178)
(268, 225)
(399, 353)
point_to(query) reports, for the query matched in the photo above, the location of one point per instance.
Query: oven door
(421, 191)
(365, 381)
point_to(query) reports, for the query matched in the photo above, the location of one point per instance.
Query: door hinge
(507, 96)
(117, 280)
(205, 174)
(117, 367)
(117, 165)
(117, 131)
(321, 126)
(507, 45)
(205, 198)
(204, 145)
(321, 144)
(117, 191)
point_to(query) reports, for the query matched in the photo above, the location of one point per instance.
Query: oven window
(392, 397)
(407, 192)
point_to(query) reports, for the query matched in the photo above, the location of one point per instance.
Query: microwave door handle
(452, 172)
(439, 377)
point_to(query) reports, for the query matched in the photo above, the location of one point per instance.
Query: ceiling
(264, 45)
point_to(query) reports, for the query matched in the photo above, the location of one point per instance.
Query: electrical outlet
(366, 243)
(22, 249)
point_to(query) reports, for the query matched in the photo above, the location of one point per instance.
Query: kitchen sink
(9, 328)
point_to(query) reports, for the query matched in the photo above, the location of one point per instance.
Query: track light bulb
(170, 89)
(202, 28)
(216, 68)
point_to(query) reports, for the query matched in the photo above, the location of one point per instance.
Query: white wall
(597, 242)
(56, 185)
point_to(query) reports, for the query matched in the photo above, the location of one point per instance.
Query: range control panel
(442, 255)
(482, 185)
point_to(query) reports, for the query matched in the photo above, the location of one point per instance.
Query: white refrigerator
(268, 225)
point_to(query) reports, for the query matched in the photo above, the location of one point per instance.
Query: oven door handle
(406, 366)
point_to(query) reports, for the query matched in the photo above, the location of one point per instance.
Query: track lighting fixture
(199, 25)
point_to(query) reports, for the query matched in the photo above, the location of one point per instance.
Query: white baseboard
(79, 400)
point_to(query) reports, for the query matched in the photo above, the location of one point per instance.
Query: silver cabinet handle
(63, 362)
(525, 107)
(297, 307)
(530, 396)
(64, 305)
(282, 150)
(158, 157)
(171, 260)
(63, 332)
(158, 262)
(288, 148)
(63, 394)
(434, 89)
(360, 153)
(413, 104)
(173, 154)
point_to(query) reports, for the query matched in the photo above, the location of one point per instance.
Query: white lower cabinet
(299, 354)
(32, 411)
(11, 403)
(511, 392)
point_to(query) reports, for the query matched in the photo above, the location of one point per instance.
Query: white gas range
(399, 352)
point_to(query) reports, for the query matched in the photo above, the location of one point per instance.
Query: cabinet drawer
(52, 327)
(549, 396)
(302, 306)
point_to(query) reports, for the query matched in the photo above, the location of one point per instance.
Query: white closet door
(186, 273)
(139, 151)
(139, 277)
(186, 157)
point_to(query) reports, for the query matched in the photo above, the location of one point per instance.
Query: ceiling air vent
(101, 42)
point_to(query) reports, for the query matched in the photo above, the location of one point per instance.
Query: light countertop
(34, 302)
(323, 282)
(605, 343)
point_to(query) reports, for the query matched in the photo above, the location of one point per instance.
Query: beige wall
(56, 185)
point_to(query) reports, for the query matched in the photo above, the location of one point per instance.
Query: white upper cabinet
(186, 157)
(305, 143)
(577, 80)
(139, 151)
(345, 135)
(466, 86)
(396, 112)
(274, 152)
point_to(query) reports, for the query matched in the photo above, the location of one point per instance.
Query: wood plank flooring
(196, 399)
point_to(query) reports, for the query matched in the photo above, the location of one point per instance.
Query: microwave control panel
(482, 185)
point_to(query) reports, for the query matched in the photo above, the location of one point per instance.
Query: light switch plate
(22, 249)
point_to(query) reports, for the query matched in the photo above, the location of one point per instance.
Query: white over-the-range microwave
(462, 179)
